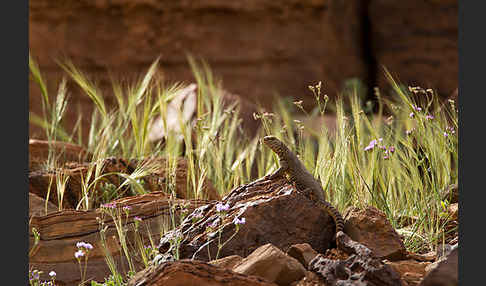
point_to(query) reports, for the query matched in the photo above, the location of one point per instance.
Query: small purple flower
(52, 274)
(238, 221)
(386, 157)
(411, 115)
(84, 245)
(371, 145)
(391, 149)
(429, 117)
(417, 108)
(137, 218)
(109, 206)
(127, 208)
(220, 207)
(35, 275)
(445, 134)
(79, 254)
(214, 223)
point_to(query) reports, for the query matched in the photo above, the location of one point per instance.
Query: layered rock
(60, 231)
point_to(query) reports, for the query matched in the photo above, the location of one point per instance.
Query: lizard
(295, 172)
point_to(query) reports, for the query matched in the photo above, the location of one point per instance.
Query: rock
(227, 262)
(426, 257)
(454, 211)
(310, 279)
(185, 102)
(271, 263)
(39, 181)
(193, 273)
(62, 151)
(371, 228)
(410, 270)
(445, 273)
(416, 40)
(275, 213)
(37, 206)
(355, 270)
(303, 252)
(60, 231)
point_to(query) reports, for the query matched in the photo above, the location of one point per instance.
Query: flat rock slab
(370, 227)
(193, 273)
(60, 231)
(40, 180)
(271, 263)
(63, 152)
(275, 213)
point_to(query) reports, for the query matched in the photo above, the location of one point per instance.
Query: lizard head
(275, 144)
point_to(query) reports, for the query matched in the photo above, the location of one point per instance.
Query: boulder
(227, 262)
(275, 213)
(193, 273)
(370, 227)
(271, 263)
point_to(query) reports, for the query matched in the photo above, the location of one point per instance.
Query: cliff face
(258, 47)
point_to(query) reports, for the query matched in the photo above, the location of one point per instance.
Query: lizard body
(294, 170)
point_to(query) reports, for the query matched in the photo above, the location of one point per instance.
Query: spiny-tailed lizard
(295, 172)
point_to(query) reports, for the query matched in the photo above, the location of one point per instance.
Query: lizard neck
(282, 151)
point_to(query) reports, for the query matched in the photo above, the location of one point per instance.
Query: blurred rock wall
(260, 48)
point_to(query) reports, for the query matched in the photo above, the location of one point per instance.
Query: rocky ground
(285, 238)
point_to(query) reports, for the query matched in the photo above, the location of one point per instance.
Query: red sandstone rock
(417, 41)
(410, 270)
(259, 49)
(193, 273)
(371, 228)
(271, 263)
(303, 252)
(60, 231)
(275, 213)
(63, 152)
(227, 262)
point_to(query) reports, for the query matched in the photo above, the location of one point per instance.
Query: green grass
(406, 184)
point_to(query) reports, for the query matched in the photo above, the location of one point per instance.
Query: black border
(14, 25)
